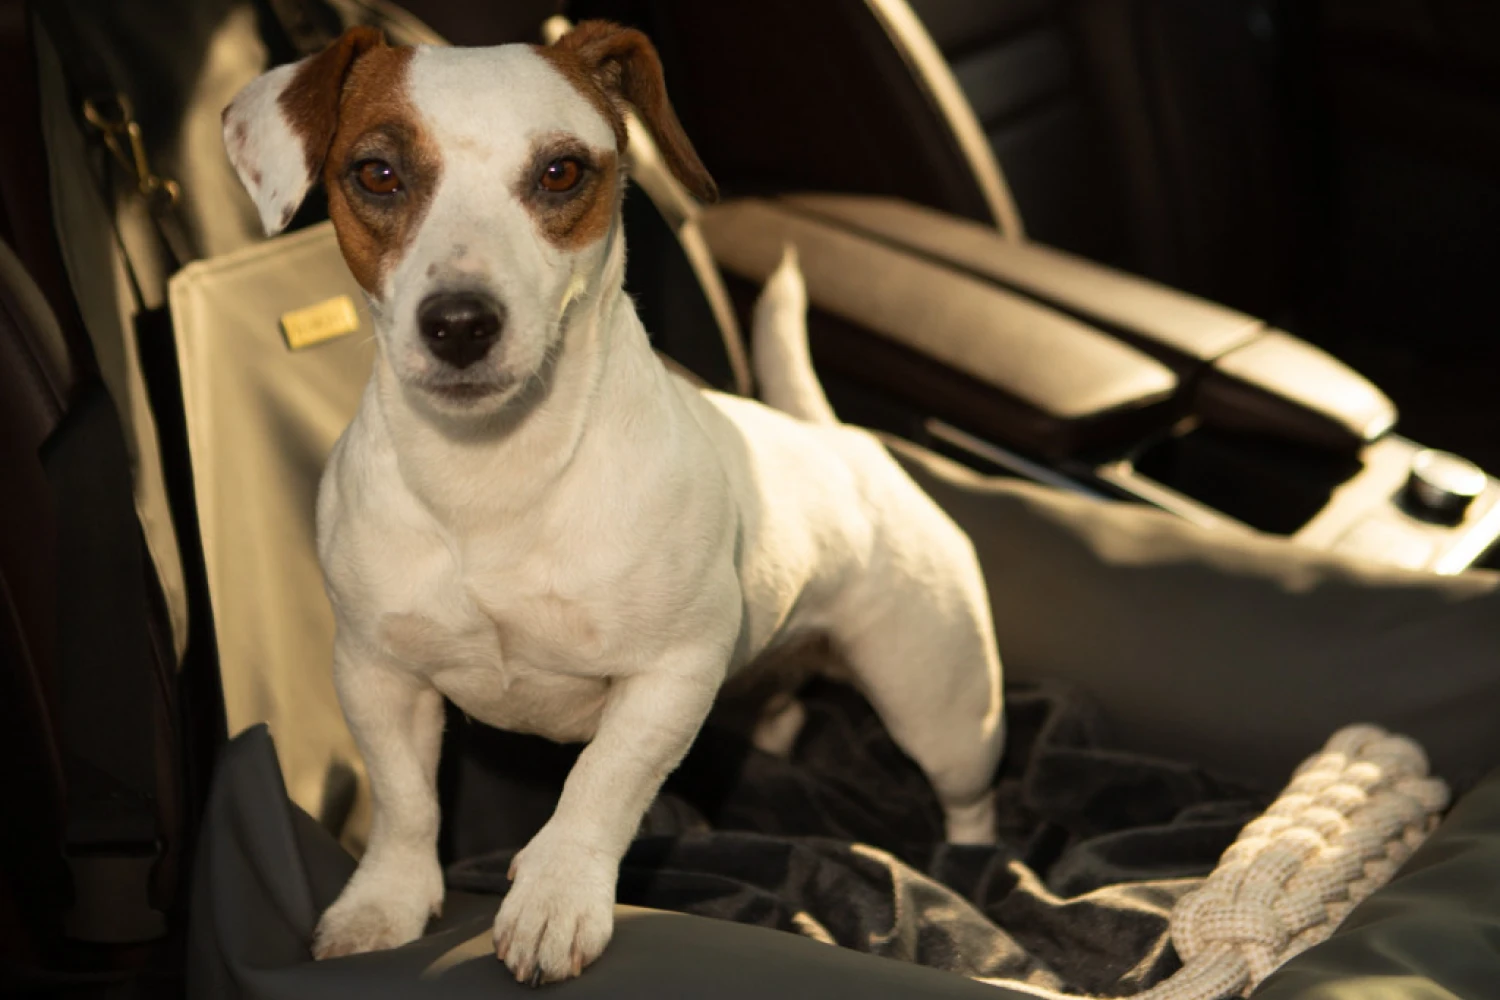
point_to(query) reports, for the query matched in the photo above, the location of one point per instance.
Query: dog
(532, 517)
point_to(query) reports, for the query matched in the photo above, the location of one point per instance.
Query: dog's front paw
(379, 910)
(559, 913)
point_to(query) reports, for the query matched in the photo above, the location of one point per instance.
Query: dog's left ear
(278, 129)
(623, 63)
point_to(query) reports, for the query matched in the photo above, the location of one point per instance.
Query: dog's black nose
(460, 327)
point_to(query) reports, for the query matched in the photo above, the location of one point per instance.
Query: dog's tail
(783, 365)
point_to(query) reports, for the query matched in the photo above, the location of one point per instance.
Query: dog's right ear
(624, 65)
(278, 129)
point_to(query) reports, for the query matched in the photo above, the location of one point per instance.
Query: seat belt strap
(106, 679)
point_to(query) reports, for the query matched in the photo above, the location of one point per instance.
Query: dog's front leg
(559, 913)
(397, 722)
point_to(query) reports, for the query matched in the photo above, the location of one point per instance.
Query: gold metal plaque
(328, 319)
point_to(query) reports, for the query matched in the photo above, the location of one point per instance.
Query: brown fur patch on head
(581, 76)
(376, 121)
(310, 101)
(570, 220)
(611, 67)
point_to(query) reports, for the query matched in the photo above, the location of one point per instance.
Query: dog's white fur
(591, 550)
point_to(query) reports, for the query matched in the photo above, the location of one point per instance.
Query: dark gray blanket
(843, 842)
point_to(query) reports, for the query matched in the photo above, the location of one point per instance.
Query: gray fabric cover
(1235, 653)
(266, 871)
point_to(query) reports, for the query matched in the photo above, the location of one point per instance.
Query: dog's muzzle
(459, 328)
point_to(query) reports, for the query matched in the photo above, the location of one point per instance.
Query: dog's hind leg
(779, 725)
(926, 661)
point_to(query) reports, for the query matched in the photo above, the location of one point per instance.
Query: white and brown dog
(532, 517)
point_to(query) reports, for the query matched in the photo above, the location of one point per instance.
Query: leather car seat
(1139, 134)
(89, 727)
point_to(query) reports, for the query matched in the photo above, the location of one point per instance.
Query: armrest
(968, 351)
(1277, 384)
(1246, 376)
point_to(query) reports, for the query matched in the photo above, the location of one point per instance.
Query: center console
(1022, 360)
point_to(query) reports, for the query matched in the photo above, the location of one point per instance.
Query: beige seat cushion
(261, 420)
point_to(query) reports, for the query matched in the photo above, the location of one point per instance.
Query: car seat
(1139, 135)
(268, 861)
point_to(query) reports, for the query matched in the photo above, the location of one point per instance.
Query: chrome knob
(1442, 485)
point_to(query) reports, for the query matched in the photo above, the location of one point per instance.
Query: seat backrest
(1138, 133)
(1141, 134)
(785, 95)
(1019, 68)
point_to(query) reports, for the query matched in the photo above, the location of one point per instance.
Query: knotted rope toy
(1351, 816)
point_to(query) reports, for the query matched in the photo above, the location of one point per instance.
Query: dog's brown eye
(562, 175)
(378, 177)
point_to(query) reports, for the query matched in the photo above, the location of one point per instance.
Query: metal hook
(114, 117)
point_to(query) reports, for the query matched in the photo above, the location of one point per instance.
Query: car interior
(1177, 310)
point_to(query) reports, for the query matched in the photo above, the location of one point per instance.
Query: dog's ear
(623, 63)
(278, 129)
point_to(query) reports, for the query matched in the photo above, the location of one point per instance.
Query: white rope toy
(1350, 818)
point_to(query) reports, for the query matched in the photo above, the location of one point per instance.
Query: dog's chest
(505, 666)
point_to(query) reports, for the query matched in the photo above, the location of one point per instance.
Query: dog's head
(475, 192)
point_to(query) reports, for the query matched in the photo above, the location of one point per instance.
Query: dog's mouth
(464, 393)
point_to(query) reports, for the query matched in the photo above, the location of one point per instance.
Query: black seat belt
(106, 674)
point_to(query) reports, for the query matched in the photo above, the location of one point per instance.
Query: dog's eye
(562, 175)
(378, 177)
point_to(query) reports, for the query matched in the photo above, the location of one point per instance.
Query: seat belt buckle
(112, 896)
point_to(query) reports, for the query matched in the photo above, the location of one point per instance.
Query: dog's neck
(463, 468)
